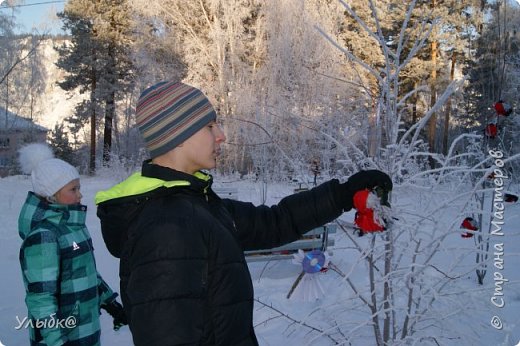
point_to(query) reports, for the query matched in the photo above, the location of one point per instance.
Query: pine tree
(59, 141)
(97, 61)
(493, 73)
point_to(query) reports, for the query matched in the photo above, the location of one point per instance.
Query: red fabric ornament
(502, 108)
(491, 130)
(469, 224)
(365, 218)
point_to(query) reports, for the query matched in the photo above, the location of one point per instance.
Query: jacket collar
(36, 209)
(153, 177)
(200, 181)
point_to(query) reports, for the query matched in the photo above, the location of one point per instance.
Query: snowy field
(336, 318)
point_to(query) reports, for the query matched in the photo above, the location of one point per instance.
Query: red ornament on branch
(503, 108)
(470, 225)
(491, 130)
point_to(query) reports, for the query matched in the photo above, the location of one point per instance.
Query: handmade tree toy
(307, 286)
(470, 226)
(371, 210)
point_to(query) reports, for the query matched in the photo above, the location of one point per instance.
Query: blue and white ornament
(310, 289)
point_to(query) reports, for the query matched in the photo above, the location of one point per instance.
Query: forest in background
(294, 82)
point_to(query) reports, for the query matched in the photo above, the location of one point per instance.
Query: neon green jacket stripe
(136, 184)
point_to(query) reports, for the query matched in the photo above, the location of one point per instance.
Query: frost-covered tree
(493, 72)
(21, 72)
(310, 98)
(215, 45)
(9, 45)
(492, 77)
(212, 36)
(431, 66)
(155, 53)
(407, 289)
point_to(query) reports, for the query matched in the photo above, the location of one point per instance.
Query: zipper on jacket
(205, 191)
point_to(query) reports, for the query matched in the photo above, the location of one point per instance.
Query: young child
(64, 291)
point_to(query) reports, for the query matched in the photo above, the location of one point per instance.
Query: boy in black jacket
(184, 278)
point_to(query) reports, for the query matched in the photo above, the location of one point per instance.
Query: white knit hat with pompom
(48, 174)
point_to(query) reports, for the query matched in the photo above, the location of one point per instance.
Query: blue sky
(37, 14)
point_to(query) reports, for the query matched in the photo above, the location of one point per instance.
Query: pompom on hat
(48, 174)
(168, 113)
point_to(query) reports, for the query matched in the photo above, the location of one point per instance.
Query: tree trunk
(387, 289)
(92, 161)
(414, 104)
(447, 115)
(432, 128)
(110, 104)
(107, 134)
(374, 141)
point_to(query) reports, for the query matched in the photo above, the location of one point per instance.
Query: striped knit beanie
(168, 113)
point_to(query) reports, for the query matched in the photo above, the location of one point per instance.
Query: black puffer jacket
(184, 279)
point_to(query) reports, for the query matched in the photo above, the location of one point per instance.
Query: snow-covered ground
(288, 322)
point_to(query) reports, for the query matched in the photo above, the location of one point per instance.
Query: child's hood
(36, 210)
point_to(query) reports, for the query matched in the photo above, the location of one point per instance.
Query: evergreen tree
(59, 141)
(493, 65)
(97, 61)
(493, 75)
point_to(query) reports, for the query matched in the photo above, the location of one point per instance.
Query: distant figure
(64, 291)
(184, 277)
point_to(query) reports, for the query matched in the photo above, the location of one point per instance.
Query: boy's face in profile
(201, 150)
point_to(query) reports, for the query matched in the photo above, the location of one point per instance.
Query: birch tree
(22, 75)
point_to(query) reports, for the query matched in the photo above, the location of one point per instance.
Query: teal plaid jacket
(63, 288)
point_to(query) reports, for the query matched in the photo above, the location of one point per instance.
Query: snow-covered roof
(11, 121)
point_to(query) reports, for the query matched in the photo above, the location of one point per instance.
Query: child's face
(69, 194)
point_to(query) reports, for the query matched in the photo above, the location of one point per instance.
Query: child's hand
(117, 311)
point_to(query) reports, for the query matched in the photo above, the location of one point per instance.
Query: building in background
(14, 132)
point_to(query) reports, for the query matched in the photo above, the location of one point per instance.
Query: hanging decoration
(469, 226)
(491, 175)
(502, 108)
(510, 198)
(307, 286)
(372, 210)
(491, 130)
